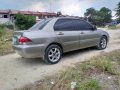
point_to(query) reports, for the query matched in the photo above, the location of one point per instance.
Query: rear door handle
(82, 33)
(60, 33)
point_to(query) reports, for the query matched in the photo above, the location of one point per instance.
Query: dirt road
(16, 72)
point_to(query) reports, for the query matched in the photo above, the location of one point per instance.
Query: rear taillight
(24, 40)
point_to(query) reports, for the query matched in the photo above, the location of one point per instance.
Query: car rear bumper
(30, 51)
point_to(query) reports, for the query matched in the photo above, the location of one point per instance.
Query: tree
(118, 12)
(90, 13)
(99, 18)
(106, 15)
(24, 22)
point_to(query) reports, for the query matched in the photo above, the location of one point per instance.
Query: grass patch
(114, 27)
(119, 82)
(105, 64)
(5, 40)
(89, 85)
(99, 73)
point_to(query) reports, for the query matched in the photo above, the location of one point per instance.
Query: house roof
(27, 12)
(14, 11)
(4, 11)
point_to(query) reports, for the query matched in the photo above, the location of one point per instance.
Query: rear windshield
(40, 25)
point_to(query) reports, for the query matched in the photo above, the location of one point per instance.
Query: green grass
(105, 64)
(5, 40)
(89, 85)
(119, 81)
(114, 27)
(2, 31)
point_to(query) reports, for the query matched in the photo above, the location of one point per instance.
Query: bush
(24, 22)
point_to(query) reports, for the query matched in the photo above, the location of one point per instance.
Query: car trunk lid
(16, 36)
(19, 36)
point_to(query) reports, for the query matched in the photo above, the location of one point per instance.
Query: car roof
(68, 18)
(64, 18)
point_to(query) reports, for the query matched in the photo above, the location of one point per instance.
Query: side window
(64, 25)
(81, 25)
(43, 24)
(40, 25)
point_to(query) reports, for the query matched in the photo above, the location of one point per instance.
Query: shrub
(24, 22)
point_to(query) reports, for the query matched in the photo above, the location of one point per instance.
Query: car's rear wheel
(53, 54)
(103, 43)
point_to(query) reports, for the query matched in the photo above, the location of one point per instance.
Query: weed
(119, 81)
(5, 41)
(114, 27)
(105, 64)
(89, 85)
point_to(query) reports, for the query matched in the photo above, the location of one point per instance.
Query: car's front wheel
(103, 43)
(53, 54)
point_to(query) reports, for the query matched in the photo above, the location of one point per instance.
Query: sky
(69, 7)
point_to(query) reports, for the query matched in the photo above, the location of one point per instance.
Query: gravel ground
(15, 72)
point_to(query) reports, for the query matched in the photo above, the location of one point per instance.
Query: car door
(66, 34)
(87, 35)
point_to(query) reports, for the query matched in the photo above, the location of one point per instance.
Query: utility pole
(50, 5)
(13, 23)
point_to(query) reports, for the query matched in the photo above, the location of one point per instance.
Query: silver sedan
(49, 38)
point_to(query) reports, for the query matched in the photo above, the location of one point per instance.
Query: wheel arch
(55, 43)
(105, 37)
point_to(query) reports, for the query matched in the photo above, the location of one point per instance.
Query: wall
(4, 21)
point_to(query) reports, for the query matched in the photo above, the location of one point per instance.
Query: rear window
(40, 25)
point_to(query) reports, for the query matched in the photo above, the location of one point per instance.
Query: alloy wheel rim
(103, 43)
(54, 54)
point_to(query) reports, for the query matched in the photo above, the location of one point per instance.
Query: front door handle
(60, 33)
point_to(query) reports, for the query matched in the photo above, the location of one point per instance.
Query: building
(6, 16)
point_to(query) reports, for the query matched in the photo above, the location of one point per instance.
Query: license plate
(14, 39)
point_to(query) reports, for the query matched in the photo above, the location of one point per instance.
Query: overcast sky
(70, 7)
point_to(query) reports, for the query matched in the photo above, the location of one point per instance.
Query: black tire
(103, 39)
(47, 52)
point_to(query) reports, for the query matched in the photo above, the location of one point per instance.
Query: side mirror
(94, 27)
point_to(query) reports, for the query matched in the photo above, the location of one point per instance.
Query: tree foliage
(24, 22)
(118, 12)
(99, 17)
(90, 13)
